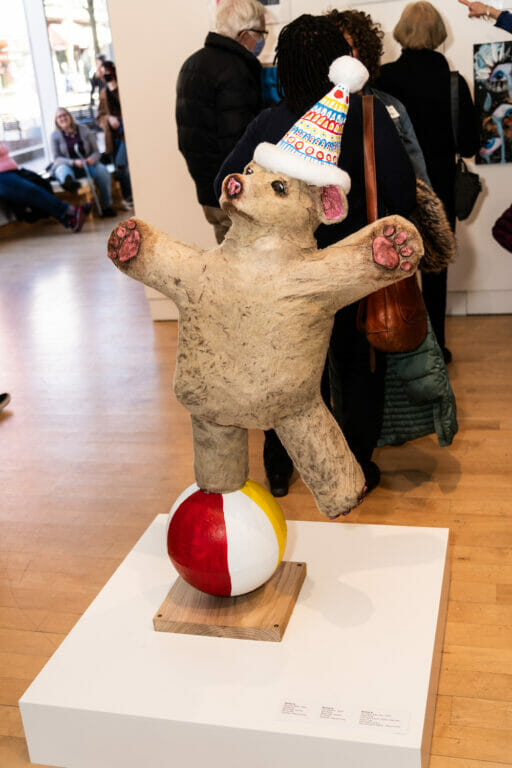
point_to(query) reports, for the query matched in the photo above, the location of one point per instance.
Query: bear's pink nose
(233, 186)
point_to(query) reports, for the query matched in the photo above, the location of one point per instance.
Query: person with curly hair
(365, 39)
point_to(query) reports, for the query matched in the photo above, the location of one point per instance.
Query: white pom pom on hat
(349, 71)
(310, 148)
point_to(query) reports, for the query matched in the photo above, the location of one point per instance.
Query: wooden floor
(94, 445)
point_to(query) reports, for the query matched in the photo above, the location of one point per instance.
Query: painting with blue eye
(493, 98)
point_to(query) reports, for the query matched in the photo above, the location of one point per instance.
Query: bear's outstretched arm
(154, 258)
(382, 253)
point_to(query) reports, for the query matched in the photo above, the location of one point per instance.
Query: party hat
(310, 149)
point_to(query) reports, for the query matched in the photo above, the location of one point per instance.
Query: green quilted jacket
(418, 398)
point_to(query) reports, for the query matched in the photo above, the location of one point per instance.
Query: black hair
(109, 66)
(305, 50)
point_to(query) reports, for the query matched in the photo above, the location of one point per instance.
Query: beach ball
(226, 543)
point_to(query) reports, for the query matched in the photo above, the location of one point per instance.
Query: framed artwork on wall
(493, 97)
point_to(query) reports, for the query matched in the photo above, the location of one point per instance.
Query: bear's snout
(233, 186)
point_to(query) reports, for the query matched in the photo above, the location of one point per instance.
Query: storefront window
(78, 30)
(20, 116)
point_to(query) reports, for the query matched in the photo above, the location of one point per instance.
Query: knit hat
(310, 149)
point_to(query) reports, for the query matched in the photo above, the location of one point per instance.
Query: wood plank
(475, 743)
(260, 615)
(439, 761)
(482, 713)
(10, 722)
(475, 684)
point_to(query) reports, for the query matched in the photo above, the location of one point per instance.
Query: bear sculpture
(255, 317)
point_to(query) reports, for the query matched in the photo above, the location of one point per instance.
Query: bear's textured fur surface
(256, 315)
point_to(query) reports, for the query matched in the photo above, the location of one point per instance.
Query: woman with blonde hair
(420, 78)
(73, 146)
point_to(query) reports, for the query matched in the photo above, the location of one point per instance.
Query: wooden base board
(259, 615)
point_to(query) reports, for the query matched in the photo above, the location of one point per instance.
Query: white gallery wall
(151, 41)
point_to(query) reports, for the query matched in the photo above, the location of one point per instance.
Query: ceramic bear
(255, 318)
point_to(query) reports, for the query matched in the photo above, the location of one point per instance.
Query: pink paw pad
(389, 247)
(124, 242)
(384, 252)
(130, 247)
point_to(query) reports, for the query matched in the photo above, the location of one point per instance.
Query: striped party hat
(310, 149)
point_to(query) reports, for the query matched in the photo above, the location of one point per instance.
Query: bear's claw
(124, 242)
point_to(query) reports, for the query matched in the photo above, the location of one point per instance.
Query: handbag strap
(370, 175)
(454, 101)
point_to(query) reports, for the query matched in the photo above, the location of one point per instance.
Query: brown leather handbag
(394, 318)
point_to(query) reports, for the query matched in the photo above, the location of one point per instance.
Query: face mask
(258, 47)
(108, 77)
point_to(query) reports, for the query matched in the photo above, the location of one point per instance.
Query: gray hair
(234, 15)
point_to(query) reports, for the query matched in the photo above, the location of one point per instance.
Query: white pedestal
(352, 683)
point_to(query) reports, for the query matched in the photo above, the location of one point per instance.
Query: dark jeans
(357, 391)
(434, 284)
(434, 287)
(121, 164)
(19, 191)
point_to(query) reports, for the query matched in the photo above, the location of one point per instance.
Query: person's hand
(78, 163)
(476, 10)
(113, 122)
(89, 161)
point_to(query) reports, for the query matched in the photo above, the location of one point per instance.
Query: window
(20, 115)
(78, 30)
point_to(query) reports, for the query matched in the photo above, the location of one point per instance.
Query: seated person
(30, 201)
(67, 164)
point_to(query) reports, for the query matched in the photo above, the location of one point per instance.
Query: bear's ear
(331, 204)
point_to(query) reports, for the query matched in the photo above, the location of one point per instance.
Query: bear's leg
(221, 456)
(325, 462)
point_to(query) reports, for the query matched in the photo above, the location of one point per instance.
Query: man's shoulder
(219, 55)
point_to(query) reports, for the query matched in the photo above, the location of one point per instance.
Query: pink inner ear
(332, 203)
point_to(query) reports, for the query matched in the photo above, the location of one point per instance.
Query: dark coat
(504, 21)
(396, 181)
(421, 80)
(218, 94)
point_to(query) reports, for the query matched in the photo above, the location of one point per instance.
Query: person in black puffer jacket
(218, 94)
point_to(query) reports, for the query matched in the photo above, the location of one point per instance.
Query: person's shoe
(447, 355)
(70, 184)
(126, 205)
(78, 217)
(108, 212)
(371, 476)
(278, 485)
(5, 399)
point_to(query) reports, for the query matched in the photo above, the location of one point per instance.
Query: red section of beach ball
(197, 545)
